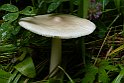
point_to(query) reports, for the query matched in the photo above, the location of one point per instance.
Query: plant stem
(55, 55)
(71, 6)
(66, 74)
(83, 12)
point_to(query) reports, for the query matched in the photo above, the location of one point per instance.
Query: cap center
(57, 19)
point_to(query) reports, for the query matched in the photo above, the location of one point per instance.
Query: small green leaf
(9, 7)
(26, 67)
(16, 30)
(6, 48)
(4, 76)
(54, 5)
(102, 29)
(17, 78)
(104, 63)
(11, 17)
(103, 77)
(28, 11)
(76, 2)
(111, 68)
(5, 30)
(24, 52)
(90, 75)
(13, 76)
(119, 77)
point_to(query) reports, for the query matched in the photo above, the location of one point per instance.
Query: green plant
(103, 50)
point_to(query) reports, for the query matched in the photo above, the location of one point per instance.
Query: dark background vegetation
(24, 56)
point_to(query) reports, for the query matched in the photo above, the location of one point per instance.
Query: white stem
(55, 54)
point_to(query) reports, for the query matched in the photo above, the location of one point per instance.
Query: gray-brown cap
(58, 25)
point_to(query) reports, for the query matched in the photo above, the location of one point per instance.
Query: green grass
(96, 58)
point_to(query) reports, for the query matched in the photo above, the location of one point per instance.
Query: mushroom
(57, 26)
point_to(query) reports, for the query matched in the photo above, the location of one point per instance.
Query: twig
(106, 38)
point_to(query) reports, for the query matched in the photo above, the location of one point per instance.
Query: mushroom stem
(55, 55)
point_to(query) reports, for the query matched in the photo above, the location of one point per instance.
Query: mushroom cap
(58, 25)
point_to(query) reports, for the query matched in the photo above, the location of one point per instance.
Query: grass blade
(66, 74)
